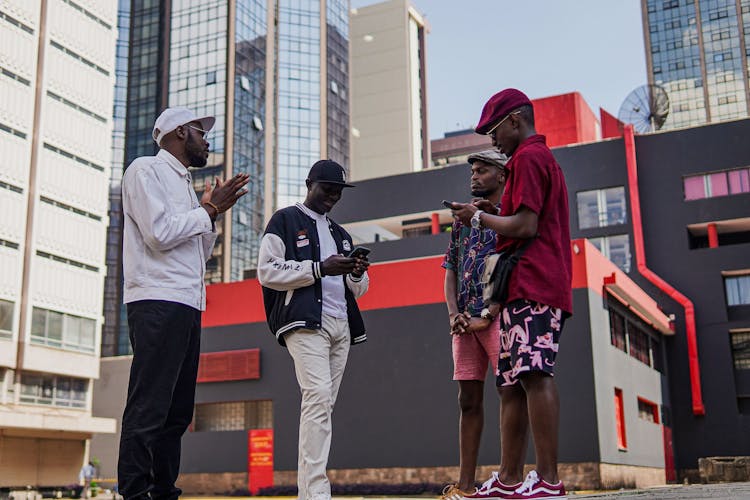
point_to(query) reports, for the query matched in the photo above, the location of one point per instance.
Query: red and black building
(654, 365)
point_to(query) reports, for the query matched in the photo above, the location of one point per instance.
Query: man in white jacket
(168, 236)
(310, 289)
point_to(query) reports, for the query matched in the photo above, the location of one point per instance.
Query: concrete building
(698, 51)
(389, 90)
(56, 84)
(275, 73)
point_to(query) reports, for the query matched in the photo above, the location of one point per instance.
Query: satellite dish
(646, 108)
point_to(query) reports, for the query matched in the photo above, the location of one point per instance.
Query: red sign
(259, 459)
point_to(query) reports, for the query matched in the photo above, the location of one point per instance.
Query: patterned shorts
(529, 336)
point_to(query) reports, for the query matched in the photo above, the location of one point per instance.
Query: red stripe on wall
(394, 284)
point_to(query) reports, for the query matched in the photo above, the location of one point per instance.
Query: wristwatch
(486, 314)
(476, 222)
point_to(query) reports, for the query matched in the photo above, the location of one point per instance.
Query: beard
(194, 152)
(481, 193)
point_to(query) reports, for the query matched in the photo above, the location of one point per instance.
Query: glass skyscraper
(697, 51)
(274, 73)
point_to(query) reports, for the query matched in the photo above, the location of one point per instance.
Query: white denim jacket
(168, 236)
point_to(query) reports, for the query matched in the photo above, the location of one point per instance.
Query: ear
(308, 183)
(181, 132)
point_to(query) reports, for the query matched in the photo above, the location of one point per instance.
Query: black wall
(397, 405)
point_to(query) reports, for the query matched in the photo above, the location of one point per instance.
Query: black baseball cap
(328, 171)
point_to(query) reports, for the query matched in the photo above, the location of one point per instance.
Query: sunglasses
(490, 132)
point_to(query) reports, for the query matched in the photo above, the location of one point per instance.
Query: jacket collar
(173, 162)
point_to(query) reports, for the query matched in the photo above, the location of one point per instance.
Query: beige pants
(319, 361)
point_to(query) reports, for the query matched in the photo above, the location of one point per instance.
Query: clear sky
(543, 47)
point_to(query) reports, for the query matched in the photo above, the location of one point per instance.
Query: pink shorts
(472, 352)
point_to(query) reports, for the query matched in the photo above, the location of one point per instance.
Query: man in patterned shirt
(474, 328)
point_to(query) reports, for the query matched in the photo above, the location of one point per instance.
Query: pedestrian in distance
(168, 236)
(85, 476)
(533, 221)
(310, 287)
(474, 325)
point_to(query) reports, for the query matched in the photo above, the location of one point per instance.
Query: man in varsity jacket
(310, 289)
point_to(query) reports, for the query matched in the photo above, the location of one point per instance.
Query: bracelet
(214, 207)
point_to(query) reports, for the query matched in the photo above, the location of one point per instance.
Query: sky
(542, 47)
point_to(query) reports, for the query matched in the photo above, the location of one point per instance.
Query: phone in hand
(448, 204)
(359, 252)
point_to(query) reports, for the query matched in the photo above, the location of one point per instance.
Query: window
(670, 4)
(622, 441)
(55, 391)
(738, 290)
(740, 341)
(233, 416)
(601, 207)
(721, 183)
(56, 329)
(616, 248)
(630, 335)
(648, 411)
(617, 331)
(6, 319)
(210, 77)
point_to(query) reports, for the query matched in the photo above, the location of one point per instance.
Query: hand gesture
(360, 266)
(463, 212)
(223, 195)
(485, 205)
(459, 323)
(336, 265)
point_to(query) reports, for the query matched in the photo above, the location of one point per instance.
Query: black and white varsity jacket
(289, 272)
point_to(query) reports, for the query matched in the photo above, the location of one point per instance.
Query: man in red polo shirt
(534, 205)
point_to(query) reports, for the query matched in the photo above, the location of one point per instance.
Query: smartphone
(359, 252)
(448, 204)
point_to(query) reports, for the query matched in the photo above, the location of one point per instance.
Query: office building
(274, 73)
(654, 366)
(389, 90)
(57, 62)
(698, 52)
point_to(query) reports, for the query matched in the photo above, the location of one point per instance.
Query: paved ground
(691, 492)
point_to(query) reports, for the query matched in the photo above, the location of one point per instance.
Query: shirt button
(318, 300)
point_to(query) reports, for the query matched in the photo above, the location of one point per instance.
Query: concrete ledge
(724, 469)
(577, 476)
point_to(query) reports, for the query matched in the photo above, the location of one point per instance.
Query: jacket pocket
(288, 297)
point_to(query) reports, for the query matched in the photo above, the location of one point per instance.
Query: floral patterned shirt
(466, 253)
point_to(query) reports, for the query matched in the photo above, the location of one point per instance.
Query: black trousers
(166, 347)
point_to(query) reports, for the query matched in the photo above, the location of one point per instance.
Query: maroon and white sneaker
(535, 487)
(493, 489)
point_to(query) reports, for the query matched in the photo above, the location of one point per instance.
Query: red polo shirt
(535, 180)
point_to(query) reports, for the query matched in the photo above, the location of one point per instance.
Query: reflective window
(6, 319)
(601, 207)
(737, 290)
(722, 183)
(630, 335)
(56, 329)
(616, 248)
(648, 411)
(53, 390)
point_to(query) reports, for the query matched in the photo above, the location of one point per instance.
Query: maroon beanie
(499, 106)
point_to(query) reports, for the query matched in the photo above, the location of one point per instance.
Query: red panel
(622, 440)
(259, 459)
(229, 365)
(234, 304)
(713, 236)
(611, 126)
(565, 119)
(640, 258)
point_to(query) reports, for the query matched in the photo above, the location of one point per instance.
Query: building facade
(654, 366)
(280, 96)
(389, 90)
(697, 51)
(57, 65)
